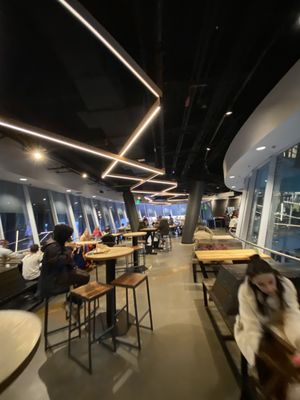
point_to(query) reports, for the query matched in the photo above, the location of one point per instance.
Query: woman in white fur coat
(265, 298)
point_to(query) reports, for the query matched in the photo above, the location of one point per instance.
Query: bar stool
(88, 294)
(167, 242)
(131, 280)
(60, 329)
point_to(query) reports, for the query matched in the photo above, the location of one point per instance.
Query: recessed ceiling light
(84, 175)
(260, 148)
(208, 148)
(44, 199)
(233, 187)
(37, 155)
(141, 159)
(228, 113)
(68, 190)
(23, 179)
(232, 177)
(94, 197)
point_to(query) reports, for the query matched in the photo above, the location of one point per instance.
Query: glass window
(284, 221)
(13, 214)
(89, 213)
(257, 203)
(121, 213)
(99, 212)
(78, 216)
(60, 204)
(42, 212)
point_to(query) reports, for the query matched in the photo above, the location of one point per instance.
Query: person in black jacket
(58, 271)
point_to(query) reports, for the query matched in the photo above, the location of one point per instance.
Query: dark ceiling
(207, 56)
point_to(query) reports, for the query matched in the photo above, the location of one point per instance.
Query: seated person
(97, 233)
(58, 272)
(85, 236)
(202, 232)
(8, 256)
(31, 263)
(107, 229)
(266, 299)
(233, 222)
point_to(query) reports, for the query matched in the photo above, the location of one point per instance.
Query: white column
(248, 207)
(84, 213)
(112, 220)
(72, 218)
(94, 214)
(267, 204)
(1, 229)
(242, 211)
(30, 214)
(52, 208)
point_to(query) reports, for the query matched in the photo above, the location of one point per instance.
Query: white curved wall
(275, 123)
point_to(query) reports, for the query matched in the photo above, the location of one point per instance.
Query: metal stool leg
(136, 319)
(127, 308)
(149, 304)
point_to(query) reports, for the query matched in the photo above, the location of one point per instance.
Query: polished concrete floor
(182, 358)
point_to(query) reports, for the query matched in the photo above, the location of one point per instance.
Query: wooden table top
(112, 253)
(149, 229)
(135, 234)
(222, 255)
(86, 242)
(222, 237)
(19, 337)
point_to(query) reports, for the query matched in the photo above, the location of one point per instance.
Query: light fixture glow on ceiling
(228, 113)
(37, 155)
(112, 48)
(231, 177)
(94, 197)
(23, 179)
(260, 148)
(233, 187)
(84, 175)
(68, 190)
(208, 148)
(72, 144)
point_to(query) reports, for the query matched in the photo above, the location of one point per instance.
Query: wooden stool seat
(129, 280)
(92, 291)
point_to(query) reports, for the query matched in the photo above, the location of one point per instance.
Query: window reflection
(14, 216)
(284, 221)
(257, 204)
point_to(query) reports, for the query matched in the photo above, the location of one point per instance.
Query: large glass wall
(13, 214)
(78, 215)
(283, 232)
(98, 207)
(60, 204)
(42, 212)
(257, 203)
(89, 213)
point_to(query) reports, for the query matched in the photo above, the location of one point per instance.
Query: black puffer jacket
(56, 265)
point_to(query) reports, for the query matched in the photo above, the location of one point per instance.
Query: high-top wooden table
(206, 257)
(135, 236)
(110, 258)
(20, 333)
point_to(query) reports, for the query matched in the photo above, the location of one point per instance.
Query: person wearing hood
(58, 271)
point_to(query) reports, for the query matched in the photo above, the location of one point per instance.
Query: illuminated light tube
(143, 181)
(163, 194)
(125, 177)
(108, 43)
(77, 146)
(135, 134)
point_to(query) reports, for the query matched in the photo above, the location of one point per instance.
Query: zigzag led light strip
(74, 144)
(87, 20)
